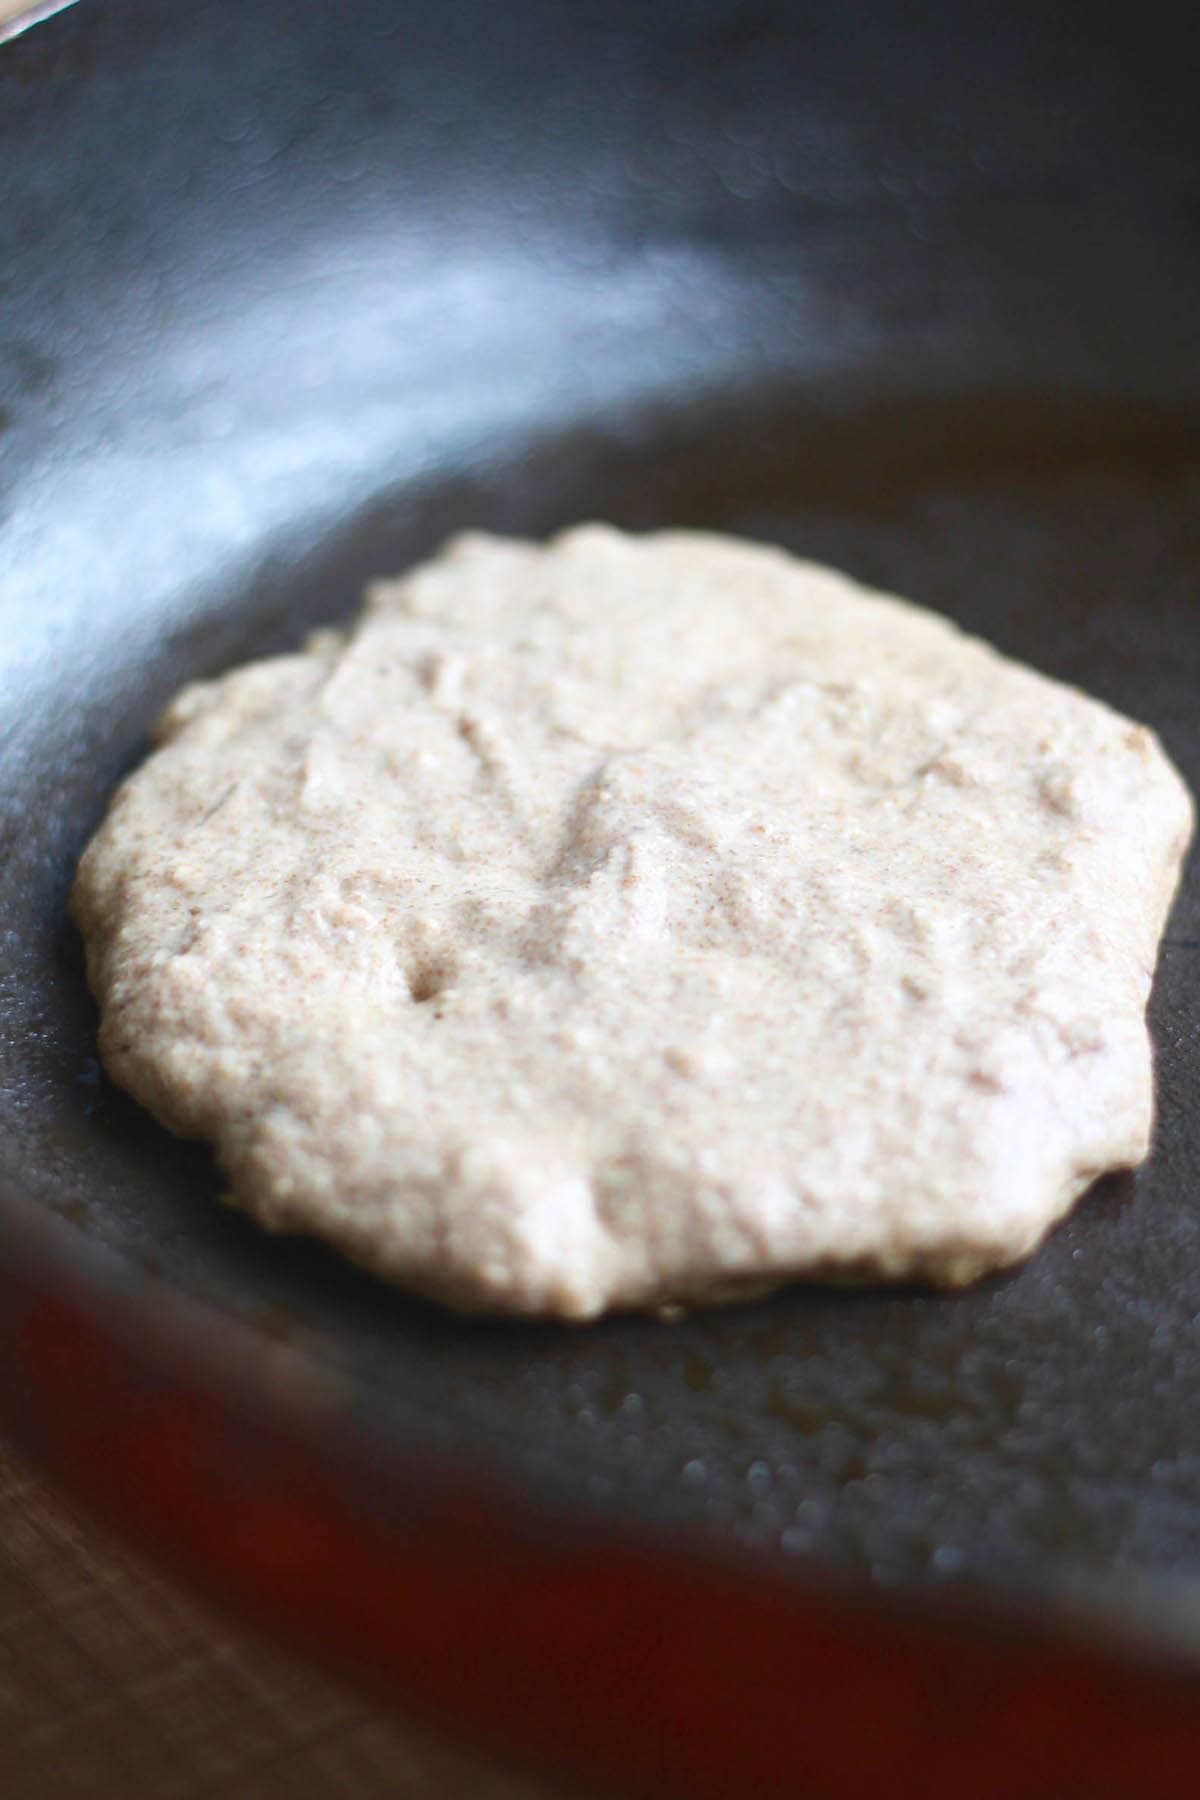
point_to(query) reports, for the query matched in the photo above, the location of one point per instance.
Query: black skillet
(291, 290)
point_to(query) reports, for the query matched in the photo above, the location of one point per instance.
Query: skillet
(290, 292)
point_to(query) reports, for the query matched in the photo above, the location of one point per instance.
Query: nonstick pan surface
(288, 293)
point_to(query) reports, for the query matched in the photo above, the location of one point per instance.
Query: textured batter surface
(630, 920)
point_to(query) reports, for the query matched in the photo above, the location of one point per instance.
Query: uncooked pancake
(629, 921)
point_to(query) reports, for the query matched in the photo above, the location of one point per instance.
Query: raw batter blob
(627, 921)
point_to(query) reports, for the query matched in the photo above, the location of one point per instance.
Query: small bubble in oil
(758, 1478)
